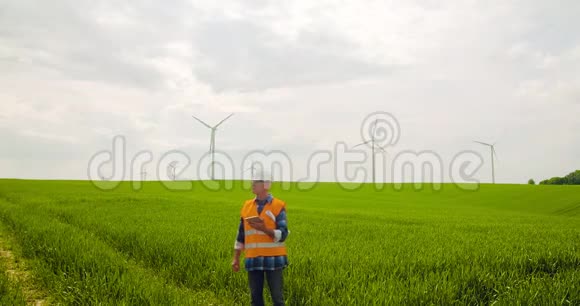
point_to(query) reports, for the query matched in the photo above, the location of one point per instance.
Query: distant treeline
(571, 179)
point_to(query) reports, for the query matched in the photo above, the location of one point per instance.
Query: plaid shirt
(265, 262)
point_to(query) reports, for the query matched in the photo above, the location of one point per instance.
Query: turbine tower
(212, 140)
(493, 154)
(373, 146)
(172, 166)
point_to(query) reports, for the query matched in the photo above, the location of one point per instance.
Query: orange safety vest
(258, 243)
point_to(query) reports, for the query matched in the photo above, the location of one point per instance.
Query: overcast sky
(300, 76)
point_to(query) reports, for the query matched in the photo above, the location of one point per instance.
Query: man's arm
(237, 254)
(238, 247)
(239, 243)
(281, 232)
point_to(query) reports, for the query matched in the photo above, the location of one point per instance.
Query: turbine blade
(483, 143)
(226, 118)
(381, 148)
(360, 144)
(201, 122)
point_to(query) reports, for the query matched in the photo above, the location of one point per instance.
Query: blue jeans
(275, 283)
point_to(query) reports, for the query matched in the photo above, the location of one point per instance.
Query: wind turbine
(373, 146)
(212, 140)
(493, 154)
(251, 168)
(172, 166)
(143, 175)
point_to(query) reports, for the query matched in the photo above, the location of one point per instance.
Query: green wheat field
(67, 242)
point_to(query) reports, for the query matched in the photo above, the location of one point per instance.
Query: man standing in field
(262, 240)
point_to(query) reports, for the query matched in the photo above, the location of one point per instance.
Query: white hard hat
(262, 175)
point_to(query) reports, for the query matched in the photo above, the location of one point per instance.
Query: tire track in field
(570, 210)
(19, 273)
(132, 264)
(70, 220)
(73, 220)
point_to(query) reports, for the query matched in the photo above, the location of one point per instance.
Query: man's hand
(261, 226)
(236, 264)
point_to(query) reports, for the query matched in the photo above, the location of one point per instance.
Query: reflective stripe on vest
(254, 232)
(264, 245)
